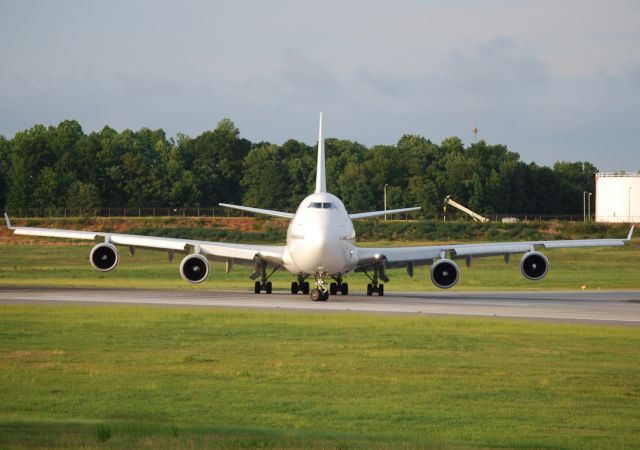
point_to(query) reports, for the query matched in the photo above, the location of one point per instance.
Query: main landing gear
(374, 287)
(300, 286)
(264, 284)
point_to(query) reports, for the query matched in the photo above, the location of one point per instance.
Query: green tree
(83, 196)
(264, 180)
(216, 160)
(355, 188)
(4, 170)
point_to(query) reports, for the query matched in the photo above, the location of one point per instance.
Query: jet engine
(445, 273)
(194, 268)
(534, 265)
(104, 257)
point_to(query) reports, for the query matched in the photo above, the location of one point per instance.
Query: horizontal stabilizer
(365, 215)
(267, 212)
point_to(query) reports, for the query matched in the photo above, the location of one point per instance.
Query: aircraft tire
(294, 287)
(316, 295)
(268, 287)
(381, 290)
(305, 288)
(257, 287)
(344, 289)
(333, 288)
(369, 290)
(325, 296)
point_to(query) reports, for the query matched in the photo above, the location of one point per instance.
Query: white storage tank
(618, 197)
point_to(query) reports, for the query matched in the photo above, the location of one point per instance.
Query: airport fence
(195, 212)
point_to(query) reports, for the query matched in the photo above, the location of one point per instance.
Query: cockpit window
(319, 205)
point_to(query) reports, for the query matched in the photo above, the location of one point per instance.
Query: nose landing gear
(321, 293)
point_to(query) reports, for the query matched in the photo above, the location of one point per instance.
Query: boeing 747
(321, 246)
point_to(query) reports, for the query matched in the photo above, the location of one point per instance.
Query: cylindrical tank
(618, 197)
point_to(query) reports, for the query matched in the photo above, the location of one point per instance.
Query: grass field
(68, 265)
(126, 377)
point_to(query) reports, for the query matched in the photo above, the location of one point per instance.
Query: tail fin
(321, 179)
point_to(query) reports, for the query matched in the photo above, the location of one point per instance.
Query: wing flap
(148, 241)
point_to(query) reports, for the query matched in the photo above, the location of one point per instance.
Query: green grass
(68, 265)
(130, 377)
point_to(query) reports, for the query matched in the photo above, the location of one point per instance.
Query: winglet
(321, 179)
(6, 219)
(630, 232)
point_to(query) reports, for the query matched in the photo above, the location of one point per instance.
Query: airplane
(320, 245)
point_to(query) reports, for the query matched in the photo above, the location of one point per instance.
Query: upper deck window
(319, 205)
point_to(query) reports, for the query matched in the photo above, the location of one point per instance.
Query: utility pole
(589, 206)
(385, 200)
(584, 205)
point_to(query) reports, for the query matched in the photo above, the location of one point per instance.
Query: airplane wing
(416, 256)
(268, 212)
(217, 251)
(365, 215)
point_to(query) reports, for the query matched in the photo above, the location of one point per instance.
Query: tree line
(62, 166)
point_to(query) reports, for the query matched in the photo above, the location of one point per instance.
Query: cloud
(303, 73)
(501, 65)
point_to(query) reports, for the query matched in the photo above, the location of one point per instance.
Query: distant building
(618, 197)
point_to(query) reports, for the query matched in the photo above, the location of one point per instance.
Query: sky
(550, 79)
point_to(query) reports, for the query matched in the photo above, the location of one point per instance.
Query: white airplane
(321, 246)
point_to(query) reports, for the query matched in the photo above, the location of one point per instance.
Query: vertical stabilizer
(321, 179)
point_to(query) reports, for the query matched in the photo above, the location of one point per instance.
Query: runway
(602, 307)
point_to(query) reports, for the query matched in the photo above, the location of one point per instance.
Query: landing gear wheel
(268, 287)
(257, 287)
(380, 290)
(294, 287)
(369, 290)
(325, 296)
(316, 295)
(344, 289)
(305, 288)
(333, 288)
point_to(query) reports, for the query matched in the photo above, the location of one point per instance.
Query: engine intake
(194, 269)
(104, 257)
(445, 273)
(534, 265)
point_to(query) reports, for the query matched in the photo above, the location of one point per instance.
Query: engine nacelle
(534, 265)
(194, 268)
(445, 273)
(104, 257)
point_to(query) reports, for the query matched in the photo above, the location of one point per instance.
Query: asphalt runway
(601, 307)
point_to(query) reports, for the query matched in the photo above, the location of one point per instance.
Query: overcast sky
(552, 80)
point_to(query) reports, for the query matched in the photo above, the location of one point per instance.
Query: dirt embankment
(130, 224)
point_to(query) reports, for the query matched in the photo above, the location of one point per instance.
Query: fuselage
(321, 237)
